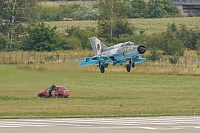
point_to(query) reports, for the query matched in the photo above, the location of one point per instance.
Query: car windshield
(47, 89)
(65, 88)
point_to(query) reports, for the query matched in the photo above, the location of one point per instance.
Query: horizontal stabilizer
(88, 62)
(139, 60)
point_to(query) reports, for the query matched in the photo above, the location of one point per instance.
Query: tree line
(91, 11)
(22, 27)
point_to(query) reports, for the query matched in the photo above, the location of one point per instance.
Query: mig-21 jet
(121, 53)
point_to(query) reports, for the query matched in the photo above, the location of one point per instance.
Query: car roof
(61, 87)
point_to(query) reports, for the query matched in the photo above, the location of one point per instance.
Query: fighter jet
(121, 53)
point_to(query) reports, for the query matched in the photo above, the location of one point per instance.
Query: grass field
(94, 94)
(148, 25)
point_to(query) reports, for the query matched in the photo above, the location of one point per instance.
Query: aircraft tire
(133, 65)
(102, 69)
(128, 68)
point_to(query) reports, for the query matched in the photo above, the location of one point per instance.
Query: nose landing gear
(102, 65)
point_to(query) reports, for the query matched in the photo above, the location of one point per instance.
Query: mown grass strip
(94, 94)
(148, 25)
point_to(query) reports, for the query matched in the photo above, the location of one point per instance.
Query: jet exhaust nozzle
(141, 49)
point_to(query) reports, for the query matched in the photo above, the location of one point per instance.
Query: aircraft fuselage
(122, 48)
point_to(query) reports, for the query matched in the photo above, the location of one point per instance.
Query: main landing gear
(102, 65)
(129, 65)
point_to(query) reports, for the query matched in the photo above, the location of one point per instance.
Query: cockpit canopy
(127, 44)
(118, 46)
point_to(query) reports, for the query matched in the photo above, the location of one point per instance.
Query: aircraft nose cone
(141, 49)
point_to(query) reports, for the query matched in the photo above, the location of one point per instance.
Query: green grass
(94, 94)
(148, 25)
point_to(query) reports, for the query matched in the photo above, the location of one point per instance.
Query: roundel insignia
(98, 47)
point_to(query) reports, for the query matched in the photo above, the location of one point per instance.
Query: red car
(59, 91)
(68, 19)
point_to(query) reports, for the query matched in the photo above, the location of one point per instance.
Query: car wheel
(60, 96)
(42, 96)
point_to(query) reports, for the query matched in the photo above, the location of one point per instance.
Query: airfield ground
(114, 93)
(146, 91)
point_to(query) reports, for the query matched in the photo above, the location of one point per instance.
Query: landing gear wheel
(128, 68)
(133, 65)
(102, 69)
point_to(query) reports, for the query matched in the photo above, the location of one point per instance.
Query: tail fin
(97, 45)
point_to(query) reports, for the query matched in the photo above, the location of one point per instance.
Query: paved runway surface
(103, 125)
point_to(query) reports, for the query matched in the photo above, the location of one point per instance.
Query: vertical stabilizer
(97, 45)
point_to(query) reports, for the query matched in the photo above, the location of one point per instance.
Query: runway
(187, 124)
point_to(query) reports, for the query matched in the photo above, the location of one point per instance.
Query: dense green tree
(156, 9)
(162, 8)
(13, 13)
(185, 35)
(68, 10)
(48, 13)
(189, 37)
(166, 43)
(82, 36)
(154, 46)
(138, 9)
(3, 42)
(198, 46)
(172, 45)
(41, 37)
(86, 12)
(113, 18)
(170, 8)
(57, 13)
(17, 11)
(197, 36)
(72, 43)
